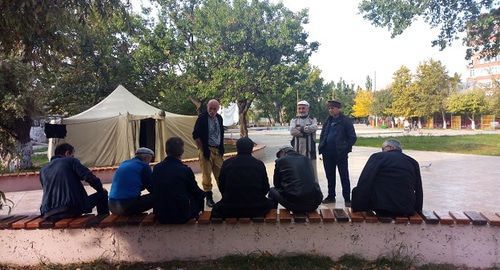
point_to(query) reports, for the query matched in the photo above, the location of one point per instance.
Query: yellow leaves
(362, 103)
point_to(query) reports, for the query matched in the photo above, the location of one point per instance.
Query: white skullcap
(303, 102)
(144, 151)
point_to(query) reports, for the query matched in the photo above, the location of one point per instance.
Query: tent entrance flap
(147, 133)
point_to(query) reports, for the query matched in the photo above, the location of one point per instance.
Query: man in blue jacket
(63, 193)
(131, 177)
(176, 195)
(390, 183)
(335, 142)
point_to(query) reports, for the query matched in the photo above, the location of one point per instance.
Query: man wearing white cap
(303, 130)
(131, 177)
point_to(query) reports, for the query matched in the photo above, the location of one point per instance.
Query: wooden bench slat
(271, 216)
(258, 219)
(204, 217)
(401, 220)
(300, 217)
(444, 217)
(327, 215)
(149, 220)
(340, 215)
(47, 224)
(120, 221)
(35, 223)
(285, 216)
(314, 217)
(244, 220)
(80, 222)
(493, 219)
(216, 220)
(63, 223)
(136, 219)
(369, 216)
(7, 222)
(383, 219)
(96, 220)
(108, 221)
(231, 220)
(476, 218)
(460, 218)
(416, 219)
(429, 217)
(21, 224)
(355, 216)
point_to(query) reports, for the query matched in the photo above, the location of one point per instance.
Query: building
(483, 72)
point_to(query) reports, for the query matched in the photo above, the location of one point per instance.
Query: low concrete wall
(473, 246)
(12, 182)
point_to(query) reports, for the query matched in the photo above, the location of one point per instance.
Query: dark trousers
(132, 206)
(221, 210)
(330, 162)
(98, 199)
(304, 207)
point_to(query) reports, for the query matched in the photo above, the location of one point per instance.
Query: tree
(369, 83)
(469, 103)
(362, 103)
(345, 94)
(33, 40)
(404, 94)
(382, 101)
(452, 17)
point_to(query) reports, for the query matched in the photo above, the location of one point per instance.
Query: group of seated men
(390, 184)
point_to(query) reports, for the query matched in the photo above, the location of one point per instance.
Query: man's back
(62, 186)
(129, 179)
(174, 190)
(244, 182)
(294, 177)
(390, 182)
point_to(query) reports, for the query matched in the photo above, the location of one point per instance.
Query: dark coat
(391, 182)
(63, 190)
(243, 184)
(344, 139)
(176, 195)
(294, 180)
(200, 131)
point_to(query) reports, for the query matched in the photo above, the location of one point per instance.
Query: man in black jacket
(176, 195)
(208, 134)
(243, 184)
(390, 183)
(335, 142)
(294, 184)
(63, 192)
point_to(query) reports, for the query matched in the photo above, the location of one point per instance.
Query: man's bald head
(212, 107)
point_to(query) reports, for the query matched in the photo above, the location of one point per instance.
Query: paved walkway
(450, 181)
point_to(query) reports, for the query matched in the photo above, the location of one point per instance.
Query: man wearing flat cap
(335, 142)
(131, 177)
(303, 130)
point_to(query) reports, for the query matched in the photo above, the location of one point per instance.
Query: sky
(352, 49)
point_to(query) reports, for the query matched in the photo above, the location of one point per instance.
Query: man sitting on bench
(243, 184)
(390, 183)
(295, 186)
(131, 177)
(176, 195)
(63, 193)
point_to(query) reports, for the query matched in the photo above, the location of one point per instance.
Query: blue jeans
(330, 162)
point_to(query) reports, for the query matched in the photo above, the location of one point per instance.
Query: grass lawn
(259, 262)
(485, 144)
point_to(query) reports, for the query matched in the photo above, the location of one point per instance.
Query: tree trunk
(443, 114)
(243, 106)
(197, 103)
(473, 123)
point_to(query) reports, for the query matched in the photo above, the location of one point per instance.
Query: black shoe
(329, 199)
(347, 204)
(210, 202)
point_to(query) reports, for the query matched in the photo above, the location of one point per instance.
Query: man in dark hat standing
(335, 142)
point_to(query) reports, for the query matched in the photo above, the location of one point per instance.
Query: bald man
(208, 134)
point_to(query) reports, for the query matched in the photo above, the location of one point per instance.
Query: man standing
(303, 130)
(63, 193)
(176, 195)
(243, 184)
(335, 142)
(390, 183)
(294, 184)
(208, 134)
(131, 177)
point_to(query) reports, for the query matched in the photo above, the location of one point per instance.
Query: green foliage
(404, 94)
(382, 101)
(452, 17)
(345, 94)
(469, 103)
